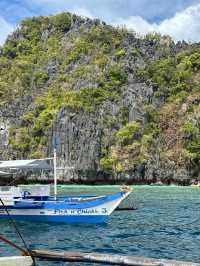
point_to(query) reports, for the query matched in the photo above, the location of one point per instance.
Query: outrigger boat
(34, 203)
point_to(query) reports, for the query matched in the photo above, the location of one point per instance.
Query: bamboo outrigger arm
(100, 258)
(107, 259)
(22, 250)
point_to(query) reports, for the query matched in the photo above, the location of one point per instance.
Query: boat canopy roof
(35, 164)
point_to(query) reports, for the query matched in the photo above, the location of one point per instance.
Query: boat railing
(35, 190)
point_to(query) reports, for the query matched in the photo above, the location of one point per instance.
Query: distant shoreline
(92, 181)
(7, 182)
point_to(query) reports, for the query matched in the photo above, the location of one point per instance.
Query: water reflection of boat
(34, 203)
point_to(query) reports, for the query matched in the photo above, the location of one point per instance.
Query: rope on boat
(12, 222)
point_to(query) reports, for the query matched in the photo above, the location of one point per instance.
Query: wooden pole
(25, 252)
(55, 173)
(107, 259)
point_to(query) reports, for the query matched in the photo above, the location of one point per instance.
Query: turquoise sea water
(165, 225)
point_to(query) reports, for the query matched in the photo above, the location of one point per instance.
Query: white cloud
(61, 6)
(5, 29)
(184, 25)
(137, 23)
(82, 12)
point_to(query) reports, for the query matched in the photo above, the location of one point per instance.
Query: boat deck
(16, 260)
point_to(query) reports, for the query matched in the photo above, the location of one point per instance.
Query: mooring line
(12, 222)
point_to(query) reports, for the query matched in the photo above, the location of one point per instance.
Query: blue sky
(178, 18)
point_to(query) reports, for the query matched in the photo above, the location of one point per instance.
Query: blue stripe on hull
(60, 219)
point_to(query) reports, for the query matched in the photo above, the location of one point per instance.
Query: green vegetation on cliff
(66, 61)
(171, 130)
(177, 80)
(38, 56)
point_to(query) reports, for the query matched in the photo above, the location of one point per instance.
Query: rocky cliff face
(109, 98)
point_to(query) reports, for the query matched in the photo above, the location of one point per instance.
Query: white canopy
(36, 164)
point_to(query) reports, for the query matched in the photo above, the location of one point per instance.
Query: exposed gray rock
(82, 137)
(78, 142)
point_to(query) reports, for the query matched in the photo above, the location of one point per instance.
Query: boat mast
(55, 173)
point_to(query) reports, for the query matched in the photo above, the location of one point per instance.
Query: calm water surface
(165, 225)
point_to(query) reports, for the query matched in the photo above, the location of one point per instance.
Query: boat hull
(60, 219)
(92, 211)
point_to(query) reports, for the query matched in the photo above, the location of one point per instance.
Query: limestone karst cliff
(122, 107)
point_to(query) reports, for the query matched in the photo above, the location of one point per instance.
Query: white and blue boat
(34, 203)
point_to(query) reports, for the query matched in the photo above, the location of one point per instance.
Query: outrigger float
(34, 203)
